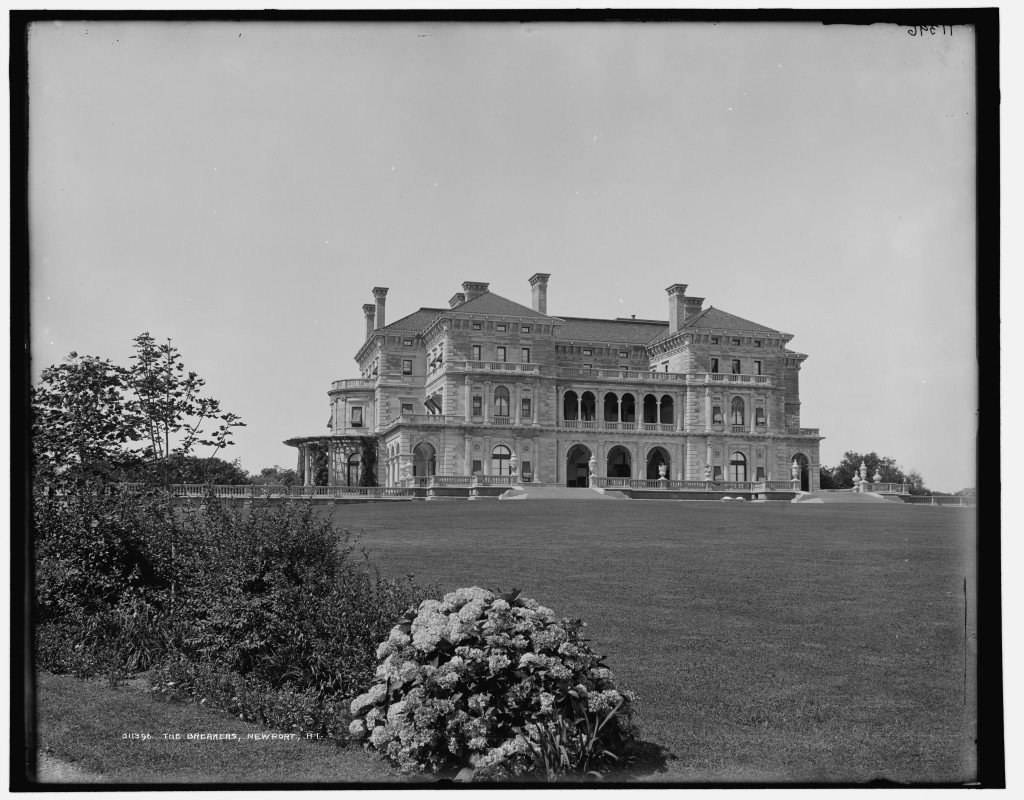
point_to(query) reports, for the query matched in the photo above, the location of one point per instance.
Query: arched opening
(500, 457)
(611, 407)
(738, 467)
(570, 406)
(650, 408)
(577, 466)
(352, 470)
(658, 457)
(805, 471)
(424, 461)
(501, 401)
(619, 463)
(736, 411)
(628, 408)
(668, 415)
(588, 404)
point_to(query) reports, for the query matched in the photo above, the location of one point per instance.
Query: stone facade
(487, 382)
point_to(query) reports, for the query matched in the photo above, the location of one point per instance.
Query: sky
(240, 188)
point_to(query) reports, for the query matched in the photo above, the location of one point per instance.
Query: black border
(991, 752)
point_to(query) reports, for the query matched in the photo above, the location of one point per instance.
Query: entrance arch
(657, 457)
(619, 463)
(424, 460)
(805, 471)
(577, 466)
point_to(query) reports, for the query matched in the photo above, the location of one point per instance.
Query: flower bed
(494, 686)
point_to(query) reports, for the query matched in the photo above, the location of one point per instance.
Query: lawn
(765, 643)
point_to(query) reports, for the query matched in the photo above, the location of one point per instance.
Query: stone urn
(878, 477)
(794, 471)
(662, 472)
(592, 464)
(707, 473)
(513, 465)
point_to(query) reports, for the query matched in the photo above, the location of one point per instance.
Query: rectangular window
(718, 473)
(716, 340)
(476, 326)
(476, 352)
(665, 365)
(525, 329)
(478, 467)
(760, 473)
(478, 406)
(759, 417)
(406, 342)
(502, 327)
(357, 416)
(623, 354)
(737, 341)
(757, 342)
(716, 415)
(588, 366)
(524, 355)
(527, 469)
(501, 354)
(587, 351)
(757, 367)
(735, 366)
(714, 365)
(527, 409)
(624, 367)
(406, 408)
(407, 366)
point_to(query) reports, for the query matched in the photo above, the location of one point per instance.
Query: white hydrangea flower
(357, 729)
(500, 606)
(367, 699)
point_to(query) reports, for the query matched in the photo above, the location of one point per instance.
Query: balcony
(726, 377)
(803, 431)
(353, 383)
(502, 366)
(621, 374)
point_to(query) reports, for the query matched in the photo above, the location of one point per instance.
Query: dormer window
(587, 351)
(501, 327)
(716, 340)
(757, 343)
(737, 341)
(476, 326)
(623, 354)
(406, 342)
(524, 328)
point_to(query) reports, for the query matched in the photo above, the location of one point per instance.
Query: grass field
(766, 644)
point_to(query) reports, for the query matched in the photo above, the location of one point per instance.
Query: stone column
(579, 406)
(707, 408)
(330, 463)
(680, 410)
(559, 415)
(517, 398)
(753, 412)
(469, 455)
(487, 402)
(486, 458)
(657, 409)
(535, 403)
(639, 406)
(618, 407)
(309, 466)
(469, 399)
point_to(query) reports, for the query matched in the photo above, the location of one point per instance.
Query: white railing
(699, 486)
(495, 480)
(418, 481)
(570, 423)
(650, 426)
(802, 431)
(450, 480)
(501, 366)
(590, 423)
(501, 420)
(727, 377)
(250, 491)
(889, 488)
(620, 374)
(739, 428)
(354, 383)
(776, 485)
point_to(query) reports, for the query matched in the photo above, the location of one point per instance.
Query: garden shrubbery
(495, 688)
(272, 614)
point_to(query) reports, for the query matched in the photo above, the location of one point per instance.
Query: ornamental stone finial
(878, 476)
(863, 471)
(513, 464)
(794, 470)
(592, 464)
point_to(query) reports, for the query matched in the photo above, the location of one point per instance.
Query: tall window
(735, 366)
(501, 402)
(527, 410)
(714, 365)
(759, 418)
(502, 327)
(500, 456)
(407, 366)
(736, 411)
(357, 416)
(476, 352)
(501, 354)
(524, 355)
(738, 467)
(757, 367)
(406, 408)
(716, 415)
(478, 406)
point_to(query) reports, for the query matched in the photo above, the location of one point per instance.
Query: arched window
(628, 404)
(500, 456)
(423, 460)
(738, 467)
(570, 406)
(588, 405)
(737, 411)
(650, 408)
(352, 470)
(611, 407)
(667, 410)
(619, 463)
(656, 458)
(501, 402)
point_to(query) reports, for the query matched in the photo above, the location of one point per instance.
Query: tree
(277, 476)
(82, 420)
(841, 476)
(94, 418)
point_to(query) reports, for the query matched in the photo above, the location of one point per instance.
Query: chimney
(379, 294)
(691, 307)
(676, 309)
(457, 300)
(539, 288)
(473, 289)
(368, 310)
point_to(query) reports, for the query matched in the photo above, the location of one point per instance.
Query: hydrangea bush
(494, 686)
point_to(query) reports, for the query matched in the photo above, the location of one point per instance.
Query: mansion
(488, 387)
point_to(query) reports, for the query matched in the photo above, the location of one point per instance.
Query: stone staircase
(536, 491)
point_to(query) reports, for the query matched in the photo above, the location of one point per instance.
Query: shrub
(495, 687)
(287, 616)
